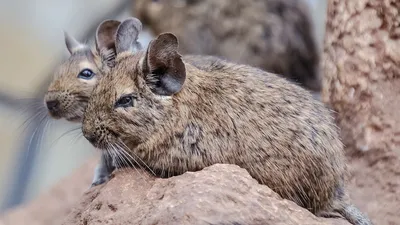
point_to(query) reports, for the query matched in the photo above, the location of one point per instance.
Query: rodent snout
(90, 137)
(92, 134)
(53, 106)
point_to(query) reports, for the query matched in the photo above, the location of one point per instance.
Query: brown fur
(227, 113)
(69, 91)
(275, 35)
(72, 92)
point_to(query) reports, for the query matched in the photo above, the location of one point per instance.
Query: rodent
(172, 116)
(274, 35)
(74, 80)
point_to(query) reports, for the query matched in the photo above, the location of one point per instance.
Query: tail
(347, 210)
(354, 215)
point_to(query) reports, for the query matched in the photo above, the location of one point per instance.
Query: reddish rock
(55, 204)
(220, 194)
(361, 83)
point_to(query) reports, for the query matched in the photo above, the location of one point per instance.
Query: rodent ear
(127, 35)
(164, 66)
(106, 33)
(72, 44)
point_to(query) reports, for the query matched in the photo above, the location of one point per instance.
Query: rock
(361, 83)
(55, 204)
(220, 194)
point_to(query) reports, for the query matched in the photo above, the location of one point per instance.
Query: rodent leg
(103, 170)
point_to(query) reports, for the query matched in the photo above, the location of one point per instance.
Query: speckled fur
(73, 93)
(275, 35)
(227, 113)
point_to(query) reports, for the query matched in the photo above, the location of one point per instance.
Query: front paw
(100, 180)
(103, 171)
(101, 176)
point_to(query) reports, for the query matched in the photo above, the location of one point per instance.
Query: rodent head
(128, 104)
(74, 80)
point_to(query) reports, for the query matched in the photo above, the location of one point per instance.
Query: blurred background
(34, 156)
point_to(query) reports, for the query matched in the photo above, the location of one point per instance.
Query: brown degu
(74, 80)
(173, 115)
(274, 35)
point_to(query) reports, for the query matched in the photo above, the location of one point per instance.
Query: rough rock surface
(220, 194)
(361, 83)
(54, 205)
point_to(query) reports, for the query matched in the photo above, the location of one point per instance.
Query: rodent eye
(125, 101)
(86, 74)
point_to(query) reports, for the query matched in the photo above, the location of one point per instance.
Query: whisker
(126, 153)
(116, 157)
(29, 109)
(31, 119)
(128, 162)
(42, 133)
(41, 120)
(65, 133)
(108, 157)
(128, 156)
(163, 170)
(75, 138)
(30, 105)
(113, 156)
(71, 142)
(119, 154)
(78, 135)
(25, 101)
(34, 134)
(119, 160)
(169, 168)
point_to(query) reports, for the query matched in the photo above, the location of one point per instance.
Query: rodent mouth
(69, 117)
(100, 142)
(73, 113)
(100, 146)
(68, 106)
(75, 118)
(55, 115)
(101, 137)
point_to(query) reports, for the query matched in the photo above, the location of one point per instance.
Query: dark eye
(86, 74)
(125, 101)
